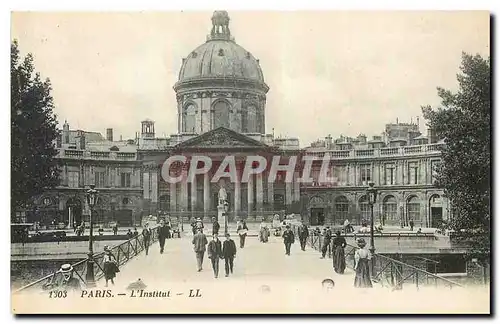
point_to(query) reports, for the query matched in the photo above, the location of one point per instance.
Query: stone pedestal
(221, 217)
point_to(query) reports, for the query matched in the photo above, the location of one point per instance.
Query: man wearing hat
(215, 226)
(68, 281)
(288, 239)
(214, 251)
(327, 239)
(228, 252)
(199, 245)
(163, 232)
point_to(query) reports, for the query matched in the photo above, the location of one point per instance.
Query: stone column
(194, 194)
(145, 184)
(259, 191)
(270, 194)
(206, 194)
(237, 193)
(173, 197)
(250, 192)
(288, 193)
(296, 187)
(184, 191)
(154, 186)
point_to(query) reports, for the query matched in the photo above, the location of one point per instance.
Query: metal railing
(123, 253)
(387, 272)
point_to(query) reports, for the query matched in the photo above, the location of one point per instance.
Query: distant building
(221, 102)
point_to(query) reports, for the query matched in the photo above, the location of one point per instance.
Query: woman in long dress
(339, 244)
(362, 266)
(110, 266)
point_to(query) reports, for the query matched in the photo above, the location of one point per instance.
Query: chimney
(66, 132)
(81, 140)
(109, 134)
(121, 138)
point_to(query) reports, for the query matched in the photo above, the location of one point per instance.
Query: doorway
(436, 211)
(317, 217)
(74, 211)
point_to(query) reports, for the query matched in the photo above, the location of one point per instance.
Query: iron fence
(386, 271)
(122, 252)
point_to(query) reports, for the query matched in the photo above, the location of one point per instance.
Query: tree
(463, 122)
(34, 168)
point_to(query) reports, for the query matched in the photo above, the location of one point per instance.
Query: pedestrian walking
(303, 233)
(411, 225)
(110, 266)
(169, 228)
(215, 226)
(214, 251)
(339, 244)
(242, 231)
(229, 253)
(362, 266)
(288, 239)
(162, 235)
(115, 229)
(199, 244)
(327, 239)
(146, 235)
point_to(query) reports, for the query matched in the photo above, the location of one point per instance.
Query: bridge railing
(388, 272)
(122, 252)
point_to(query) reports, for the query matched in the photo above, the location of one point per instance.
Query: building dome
(220, 58)
(220, 85)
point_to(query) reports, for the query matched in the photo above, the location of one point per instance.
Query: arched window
(364, 208)
(221, 114)
(190, 118)
(413, 208)
(252, 119)
(389, 210)
(341, 208)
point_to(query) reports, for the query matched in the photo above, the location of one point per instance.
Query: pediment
(221, 138)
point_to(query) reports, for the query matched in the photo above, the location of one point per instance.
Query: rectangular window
(125, 179)
(435, 164)
(99, 180)
(365, 174)
(390, 174)
(412, 173)
(73, 179)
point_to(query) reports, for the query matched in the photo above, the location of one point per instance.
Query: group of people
(216, 251)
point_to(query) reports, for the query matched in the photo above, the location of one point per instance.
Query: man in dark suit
(303, 235)
(327, 239)
(200, 245)
(215, 226)
(162, 235)
(288, 239)
(214, 251)
(146, 235)
(229, 253)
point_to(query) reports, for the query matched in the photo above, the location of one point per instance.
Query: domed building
(221, 84)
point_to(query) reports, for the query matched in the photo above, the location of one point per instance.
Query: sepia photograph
(250, 162)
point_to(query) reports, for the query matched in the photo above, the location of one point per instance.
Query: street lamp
(91, 200)
(226, 208)
(372, 198)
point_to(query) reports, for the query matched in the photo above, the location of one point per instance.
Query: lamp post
(372, 198)
(91, 200)
(226, 207)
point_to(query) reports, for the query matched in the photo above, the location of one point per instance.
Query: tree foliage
(463, 122)
(34, 168)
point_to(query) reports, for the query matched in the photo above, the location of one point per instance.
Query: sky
(329, 72)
